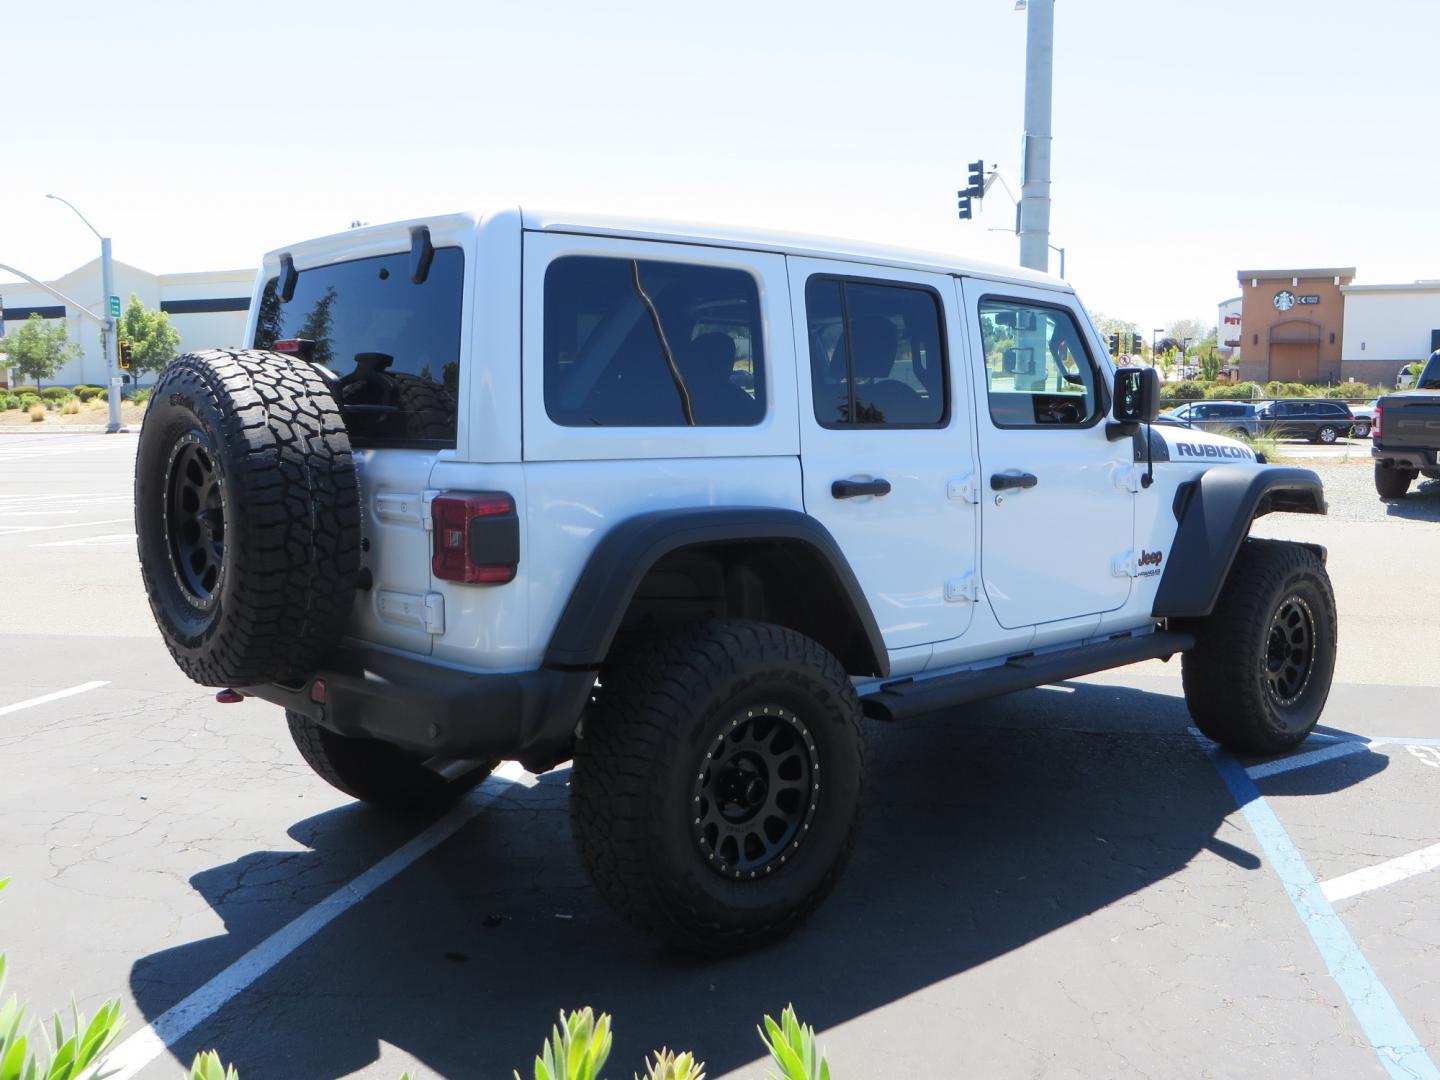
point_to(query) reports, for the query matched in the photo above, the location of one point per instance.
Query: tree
(38, 351)
(1193, 330)
(153, 341)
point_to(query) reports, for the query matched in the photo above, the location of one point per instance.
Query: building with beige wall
(1387, 327)
(1292, 324)
(207, 308)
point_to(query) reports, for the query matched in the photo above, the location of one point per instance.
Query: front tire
(1261, 668)
(1391, 481)
(1327, 435)
(717, 784)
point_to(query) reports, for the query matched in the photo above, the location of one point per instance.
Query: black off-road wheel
(1392, 482)
(376, 772)
(1260, 671)
(247, 514)
(717, 783)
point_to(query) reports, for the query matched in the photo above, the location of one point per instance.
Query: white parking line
(179, 1020)
(1381, 874)
(1300, 761)
(92, 541)
(16, 530)
(6, 710)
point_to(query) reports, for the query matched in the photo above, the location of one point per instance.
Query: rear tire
(1261, 668)
(375, 772)
(1327, 435)
(1392, 482)
(697, 798)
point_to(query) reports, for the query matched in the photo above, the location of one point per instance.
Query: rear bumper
(528, 716)
(1404, 457)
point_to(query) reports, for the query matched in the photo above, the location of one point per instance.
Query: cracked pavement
(1056, 884)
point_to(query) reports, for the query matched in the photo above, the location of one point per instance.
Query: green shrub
(140, 397)
(9, 401)
(26, 400)
(88, 393)
(1242, 391)
(1352, 389)
(23, 390)
(1189, 390)
(53, 395)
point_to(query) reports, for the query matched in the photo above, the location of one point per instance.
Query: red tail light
(1375, 424)
(477, 537)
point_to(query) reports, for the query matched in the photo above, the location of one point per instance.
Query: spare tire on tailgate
(247, 512)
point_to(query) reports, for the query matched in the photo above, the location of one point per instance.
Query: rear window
(394, 345)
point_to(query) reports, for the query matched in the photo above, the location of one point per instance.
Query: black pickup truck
(1406, 434)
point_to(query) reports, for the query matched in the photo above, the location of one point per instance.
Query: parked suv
(684, 505)
(1236, 419)
(1313, 419)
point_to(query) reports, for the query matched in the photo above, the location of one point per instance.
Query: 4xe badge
(1149, 563)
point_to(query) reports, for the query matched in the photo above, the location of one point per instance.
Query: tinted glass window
(1037, 367)
(640, 343)
(395, 345)
(877, 354)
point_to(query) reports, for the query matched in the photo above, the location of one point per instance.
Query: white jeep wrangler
(684, 505)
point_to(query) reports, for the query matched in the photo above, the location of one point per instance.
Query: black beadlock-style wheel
(1260, 672)
(247, 516)
(1392, 482)
(717, 781)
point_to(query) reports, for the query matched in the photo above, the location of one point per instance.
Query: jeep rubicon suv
(684, 505)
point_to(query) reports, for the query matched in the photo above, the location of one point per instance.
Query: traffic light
(1114, 344)
(1135, 344)
(976, 190)
(124, 356)
(964, 204)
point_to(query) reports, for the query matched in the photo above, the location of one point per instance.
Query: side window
(877, 354)
(643, 343)
(1038, 370)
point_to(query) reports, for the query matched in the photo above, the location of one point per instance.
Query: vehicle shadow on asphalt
(1422, 504)
(984, 830)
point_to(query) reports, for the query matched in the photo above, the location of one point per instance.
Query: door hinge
(1127, 478)
(963, 589)
(963, 489)
(425, 612)
(1124, 565)
(428, 496)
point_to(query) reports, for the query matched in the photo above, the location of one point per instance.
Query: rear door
(395, 345)
(1058, 515)
(887, 445)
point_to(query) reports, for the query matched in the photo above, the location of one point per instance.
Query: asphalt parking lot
(1065, 882)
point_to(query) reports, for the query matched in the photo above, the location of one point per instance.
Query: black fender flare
(1214, 513)
(626, 553)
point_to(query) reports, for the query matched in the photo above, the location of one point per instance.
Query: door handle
(849, 489)
(1002, 481)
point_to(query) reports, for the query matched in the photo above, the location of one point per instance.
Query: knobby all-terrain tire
(428, 408)
(1392, 482)
(642, 757)
(1276, 595)
(258, 439)
(376, 772)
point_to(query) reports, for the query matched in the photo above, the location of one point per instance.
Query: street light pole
(1035, 182)
(1155, 345)
(107, 333)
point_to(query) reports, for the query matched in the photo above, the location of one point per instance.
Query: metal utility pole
(1035, 181)
(107, 330)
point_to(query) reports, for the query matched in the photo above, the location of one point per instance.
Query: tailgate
(1411, 422)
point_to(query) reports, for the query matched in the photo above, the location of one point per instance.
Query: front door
(1058, 515)
(887, 445)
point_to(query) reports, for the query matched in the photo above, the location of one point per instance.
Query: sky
(1190, 140)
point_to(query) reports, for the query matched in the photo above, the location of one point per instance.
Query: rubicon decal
(1210, 450)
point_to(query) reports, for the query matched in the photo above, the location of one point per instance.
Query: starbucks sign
(1284, 300)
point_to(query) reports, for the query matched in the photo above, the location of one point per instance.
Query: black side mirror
(1137, 395)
